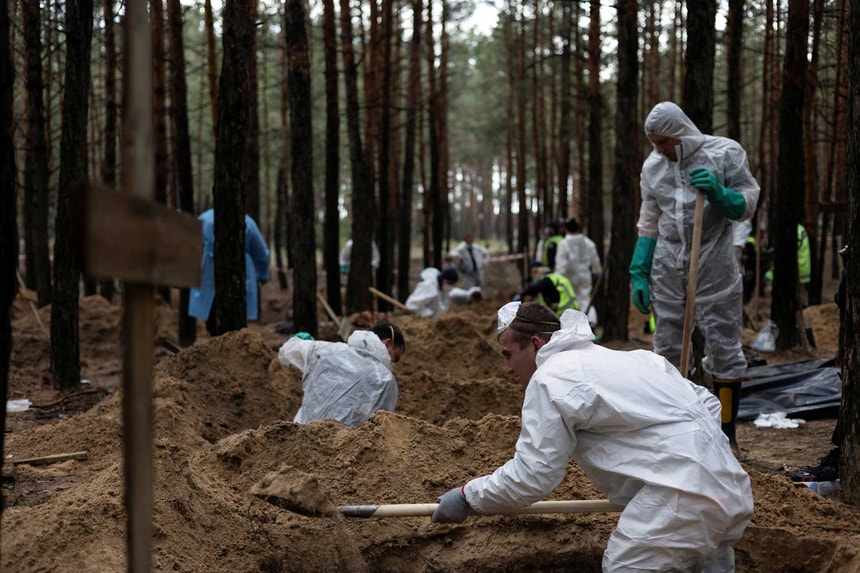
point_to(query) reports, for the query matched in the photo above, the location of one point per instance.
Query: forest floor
(222, 414)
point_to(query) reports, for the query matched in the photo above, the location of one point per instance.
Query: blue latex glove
(303, 336)
(730, 203)
(518, 298)
(640, 270)
(453, 507)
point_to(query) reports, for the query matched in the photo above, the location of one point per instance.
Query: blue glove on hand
(453, 507)
(730, 203)
(303, 336)
(640, 270)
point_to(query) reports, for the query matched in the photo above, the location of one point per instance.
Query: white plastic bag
(765, 340)
(777, 420)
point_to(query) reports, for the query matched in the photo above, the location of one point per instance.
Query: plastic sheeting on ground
(807, 389)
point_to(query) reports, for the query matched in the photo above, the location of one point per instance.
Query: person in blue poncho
(256, 269)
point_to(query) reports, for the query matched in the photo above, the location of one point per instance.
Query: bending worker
(648, 438)
(348, 381)
(685, 162)
(430, 296)
(549, 289)
(202, 299)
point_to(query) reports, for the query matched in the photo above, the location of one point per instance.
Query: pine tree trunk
(182, 148)
(36, 163)
(211, 61)
(107, 287)
(234, 96)
(412, 108)
(357, 294)
(625, 175)
(812, 190)
(849, 471)
(385, 231)
(301, 177)
(596, 227)
(523, 218)
(734, 87)
(252, 174)
(331, 231)
(159, 84)
(564, 118)
(787, 206)
(699, 79)
(65, 345)
(8, 210)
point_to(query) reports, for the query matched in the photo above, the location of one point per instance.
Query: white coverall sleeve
(295, 352)
(539, 463)
(649, 211)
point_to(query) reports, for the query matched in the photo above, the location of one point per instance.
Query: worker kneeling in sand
(347, 382)
(647, 437)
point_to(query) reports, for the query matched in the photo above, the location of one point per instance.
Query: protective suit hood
(575, 333)
(367, 342)
(430, 273)
(670, 120)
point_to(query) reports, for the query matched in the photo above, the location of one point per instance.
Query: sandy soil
(222, 412)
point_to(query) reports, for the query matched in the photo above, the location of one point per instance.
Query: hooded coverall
(429, 298)
(648, 438)
(347, 382)
(666, 214)
(577, 259)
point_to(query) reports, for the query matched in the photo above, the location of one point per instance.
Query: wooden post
(129, 237)
(689, 313)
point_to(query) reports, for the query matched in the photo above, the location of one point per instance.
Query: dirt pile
(222, 412)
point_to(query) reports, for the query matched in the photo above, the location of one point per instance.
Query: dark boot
(729, 394)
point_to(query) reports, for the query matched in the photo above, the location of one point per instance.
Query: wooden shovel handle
(690, 311)
(419, 509)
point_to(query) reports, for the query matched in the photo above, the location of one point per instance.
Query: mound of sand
(223, 438)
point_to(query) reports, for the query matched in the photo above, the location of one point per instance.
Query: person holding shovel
(686, 162)
(348, 381)
(648, 438)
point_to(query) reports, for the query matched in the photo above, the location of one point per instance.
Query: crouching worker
(347, 382)
(550, 289)
(648, 438)
(430, 296)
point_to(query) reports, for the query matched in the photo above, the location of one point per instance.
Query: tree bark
(412, 107)
(252, 164)
(331, 231)
(699, 77)
(564, 118)
(159, 99)
(357, 294)
(8, 221)
(211, 61)
(787, 209)
(385, 232)
(850, 456)
(36, 163)
(229, 190)
(626, 174)
(65, 344)
(301, 173)
(596, 228)
(734, 87)
(107, 288)
(182, 148)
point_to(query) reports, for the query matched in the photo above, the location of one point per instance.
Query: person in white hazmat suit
(647, 437)
(348, 381)
(430, 296)
(683, 163)
(576, 258)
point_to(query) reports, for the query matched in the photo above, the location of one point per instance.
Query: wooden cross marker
(130, 237)
(143, 244)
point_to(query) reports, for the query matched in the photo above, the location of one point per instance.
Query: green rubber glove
(344, 269)
(640, 270)
(303, 336)
(730, 203)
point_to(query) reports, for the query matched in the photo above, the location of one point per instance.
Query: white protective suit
(428, 299)
(666, 214)
(577, 259)
(648, 439)
(346, 255)
(471, 261)
(347, 382)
